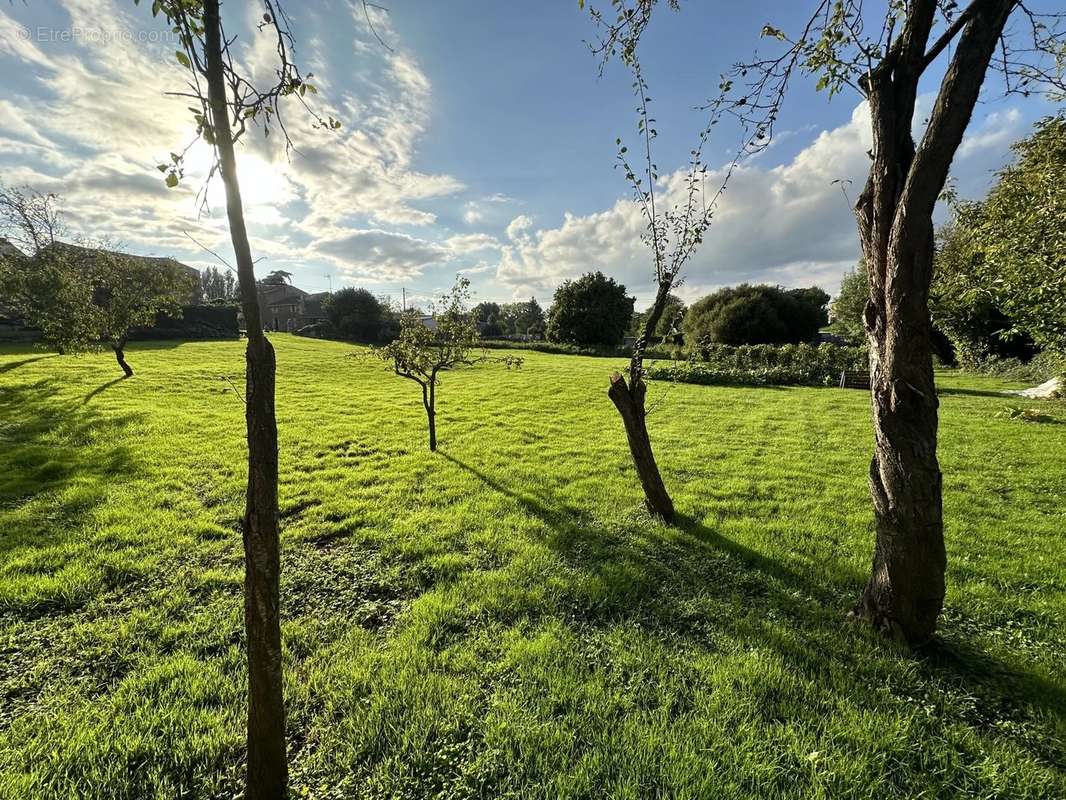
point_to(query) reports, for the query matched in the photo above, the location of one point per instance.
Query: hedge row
(764, 365)
(195, 322)
(567, 349)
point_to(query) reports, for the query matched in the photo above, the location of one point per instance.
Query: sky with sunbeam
(478, 137)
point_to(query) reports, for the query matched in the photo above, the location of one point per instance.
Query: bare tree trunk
(432, 410)
(431, 413)
(267, 772)
(120, 355)
(630, 404)
(905, 592)
(429, 401)
(629, 400)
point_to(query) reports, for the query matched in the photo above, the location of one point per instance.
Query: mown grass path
(501, 619)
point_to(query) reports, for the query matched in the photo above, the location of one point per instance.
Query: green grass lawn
(501, 618)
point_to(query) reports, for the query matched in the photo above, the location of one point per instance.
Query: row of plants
(763, 365)
(563, 348)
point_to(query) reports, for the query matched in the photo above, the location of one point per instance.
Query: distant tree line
(217, 286)
(510, 319)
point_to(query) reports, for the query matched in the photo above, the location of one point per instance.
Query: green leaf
(183, 59)
(172, 180)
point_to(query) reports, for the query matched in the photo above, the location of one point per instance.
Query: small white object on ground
(1046, 389)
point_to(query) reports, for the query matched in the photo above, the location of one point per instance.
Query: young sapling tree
(80, 296)
(424, 348)
(673, 232)
(131, 293)
(227, 103)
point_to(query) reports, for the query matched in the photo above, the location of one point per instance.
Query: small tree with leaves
(422, 351)
(79, 296)
(673, 231)
(131, 293)
(36, 280)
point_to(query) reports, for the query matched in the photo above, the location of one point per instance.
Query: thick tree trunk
(905, 592)
(120, 356)
(630, 405)
(267, 771)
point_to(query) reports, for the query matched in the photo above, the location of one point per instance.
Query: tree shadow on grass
(13, 365)
(1001, 395)
(691, 582)
(58, 462)
(102, 388)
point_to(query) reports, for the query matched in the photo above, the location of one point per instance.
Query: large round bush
(748, 314)
(592, 310)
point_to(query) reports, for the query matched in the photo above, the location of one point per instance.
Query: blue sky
(482, 143)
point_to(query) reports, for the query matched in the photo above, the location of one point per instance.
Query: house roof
(157, 261)
(8, 250)
(273, 293)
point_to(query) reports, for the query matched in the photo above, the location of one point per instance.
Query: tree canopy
(1001, 265)
(847, 307)
(82, 295)
(592, 310)
(357, 314)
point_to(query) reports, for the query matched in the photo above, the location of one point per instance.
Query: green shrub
(764, 365)
(746, 314)
(591, 310)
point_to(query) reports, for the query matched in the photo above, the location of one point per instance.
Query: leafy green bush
(746, 314)
(764, 365)
(591, 310)
(358, 315)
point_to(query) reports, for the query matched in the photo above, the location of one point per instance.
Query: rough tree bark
(120, 355)
(267, 773)
(629, 398)
(905, 592)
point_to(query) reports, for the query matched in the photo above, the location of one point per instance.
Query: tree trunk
(630, 405)
(267, 771)
(429, 401)
(905, 592)
(432, 429)
(629, 400)
(120, 355)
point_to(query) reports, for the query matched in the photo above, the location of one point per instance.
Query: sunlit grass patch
(502, 618)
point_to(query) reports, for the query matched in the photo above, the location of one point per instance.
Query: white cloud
(379, 254)
(473, 214)
(461, 244)
(518, 229)
(98, 121)
(998, 130)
